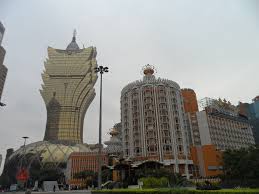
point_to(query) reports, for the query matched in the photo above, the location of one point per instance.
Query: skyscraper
(3, 69)
(152, 118)
(67, 90)
(68, 79)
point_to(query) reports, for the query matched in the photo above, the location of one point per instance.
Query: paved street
(57, 192)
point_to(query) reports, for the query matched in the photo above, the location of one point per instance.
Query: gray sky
(210, 46)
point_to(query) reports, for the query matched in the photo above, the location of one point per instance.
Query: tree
(241, 166)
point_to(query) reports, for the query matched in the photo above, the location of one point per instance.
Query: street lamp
(22, 174)
(101, 70)
(25, 138)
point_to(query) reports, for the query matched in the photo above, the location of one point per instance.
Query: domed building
(153, 123)
(114, 145)
(45, 152)
(67, 90)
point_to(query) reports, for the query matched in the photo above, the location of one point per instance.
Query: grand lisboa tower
(67, 90)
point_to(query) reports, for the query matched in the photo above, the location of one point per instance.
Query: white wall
(203, 128)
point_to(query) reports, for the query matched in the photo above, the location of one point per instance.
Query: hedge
(177, 191)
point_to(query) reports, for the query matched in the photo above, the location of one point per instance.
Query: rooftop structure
(220, 106)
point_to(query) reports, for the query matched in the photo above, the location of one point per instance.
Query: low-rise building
(83, 161)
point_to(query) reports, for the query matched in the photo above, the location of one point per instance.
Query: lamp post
(101, 70)
(22, 174)
(25, 138)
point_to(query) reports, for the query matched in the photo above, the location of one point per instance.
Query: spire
(73, 45)
(74, 36)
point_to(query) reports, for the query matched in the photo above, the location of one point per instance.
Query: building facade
(68, 90)
(83, 161)
(3, 68)
(208, 159)
(152, 118)
(220, 125)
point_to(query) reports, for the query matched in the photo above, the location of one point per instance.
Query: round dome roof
(47, 152)
(72, 46)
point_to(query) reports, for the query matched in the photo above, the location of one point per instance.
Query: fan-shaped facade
(68, 90)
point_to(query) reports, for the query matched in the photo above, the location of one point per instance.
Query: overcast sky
(209, 46)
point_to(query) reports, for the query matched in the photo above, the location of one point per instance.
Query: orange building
(191, 107)
(207, 159)
(189, 100)
(83, 161)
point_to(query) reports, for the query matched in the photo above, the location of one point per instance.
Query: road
(57, 192)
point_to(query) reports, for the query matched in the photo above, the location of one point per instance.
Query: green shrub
(206, 185)
(153, 182)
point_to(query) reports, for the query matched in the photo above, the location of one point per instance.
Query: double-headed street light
(101, 70)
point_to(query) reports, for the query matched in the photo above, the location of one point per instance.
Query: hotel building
(218, 127)
(222, 126)
(153, 122)
(68, 90)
